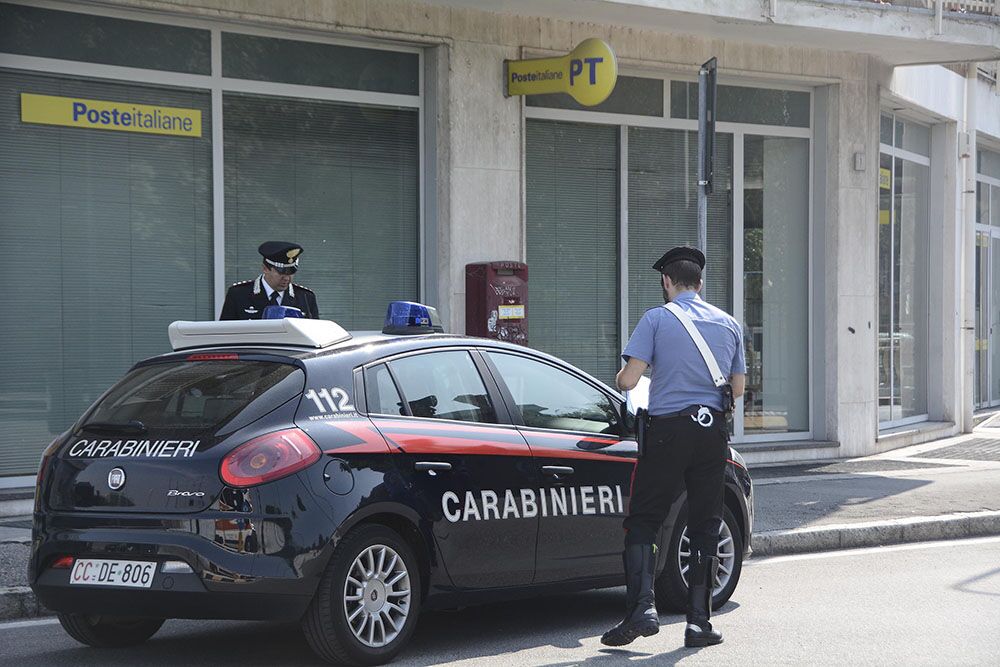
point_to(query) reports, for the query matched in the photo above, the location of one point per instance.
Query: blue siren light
(407, 317)
(280, 312)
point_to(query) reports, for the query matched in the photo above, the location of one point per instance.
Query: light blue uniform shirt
(680, 377)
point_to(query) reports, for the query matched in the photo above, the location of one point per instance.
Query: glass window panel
(381, 393)
(981, 387)
(315, 64)
(632, 95)
(572, 241)
(740, 104)
(204, 395)
(993, 344)
(47, 33)
(444, 385)
(663, 212)
(982, 204)
(989, 163)
(995, 205)
(341, 180)
(885, 250)
(124, 221)
(885, 129)
(910, 289)
(776, 280)
(913, 137)
(551, 398)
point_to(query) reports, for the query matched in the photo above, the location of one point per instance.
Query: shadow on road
(968, 586)
(472, 634)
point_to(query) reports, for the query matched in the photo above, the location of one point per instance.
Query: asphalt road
(919, 604)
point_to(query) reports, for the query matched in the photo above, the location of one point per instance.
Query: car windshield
(198, 394)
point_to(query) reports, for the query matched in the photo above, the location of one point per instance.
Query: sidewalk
(939, 490)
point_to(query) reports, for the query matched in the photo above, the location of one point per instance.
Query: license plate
(101, 572)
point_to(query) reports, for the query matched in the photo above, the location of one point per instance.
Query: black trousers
(680, 453)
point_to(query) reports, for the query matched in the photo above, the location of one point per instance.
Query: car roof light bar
(285, 331)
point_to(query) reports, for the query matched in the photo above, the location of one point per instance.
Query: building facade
(852, 227)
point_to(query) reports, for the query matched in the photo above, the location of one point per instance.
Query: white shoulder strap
(706, 353)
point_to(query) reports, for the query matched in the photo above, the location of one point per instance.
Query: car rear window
(199, 394)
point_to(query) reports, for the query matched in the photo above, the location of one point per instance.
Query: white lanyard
(706, 353)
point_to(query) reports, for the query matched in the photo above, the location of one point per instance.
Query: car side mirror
(627, 421)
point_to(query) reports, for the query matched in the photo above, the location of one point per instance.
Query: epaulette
(242, 282)
(303, 288)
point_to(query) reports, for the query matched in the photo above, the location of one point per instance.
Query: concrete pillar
(485, 170)
(852, 323)
(944, 388)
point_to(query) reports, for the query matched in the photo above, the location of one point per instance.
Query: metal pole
(702, 181)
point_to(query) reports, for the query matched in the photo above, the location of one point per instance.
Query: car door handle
(555, 471)
(432, 466)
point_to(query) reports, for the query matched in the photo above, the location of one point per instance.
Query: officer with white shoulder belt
(695, 351)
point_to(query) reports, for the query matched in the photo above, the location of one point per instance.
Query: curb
(876, 533)
(17, 602)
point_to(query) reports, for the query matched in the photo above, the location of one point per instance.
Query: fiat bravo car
(286, 469)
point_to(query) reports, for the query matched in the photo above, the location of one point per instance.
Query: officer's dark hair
(683, 273)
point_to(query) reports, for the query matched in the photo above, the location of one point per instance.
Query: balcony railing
(987, 7)
(981, 7)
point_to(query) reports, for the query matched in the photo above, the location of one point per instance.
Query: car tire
(109, 631)
(671, 585)
(350, 620)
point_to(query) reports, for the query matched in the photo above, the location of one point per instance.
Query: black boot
(640, 619)
(701, 583)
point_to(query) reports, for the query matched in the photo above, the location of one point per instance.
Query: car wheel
(367, 603)
(671, 585)
(109, 631)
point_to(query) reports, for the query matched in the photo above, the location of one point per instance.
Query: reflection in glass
(551, 398)
(572, 242)
(340, 179)
(775, 277)
(903, 291)
(443, 385)
(663, 213)
(981, 388)
(993, 344)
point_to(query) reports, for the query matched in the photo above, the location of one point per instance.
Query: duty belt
(702, 414)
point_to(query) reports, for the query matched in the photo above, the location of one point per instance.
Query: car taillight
(212, 357)
(62, 563)
(268, 458)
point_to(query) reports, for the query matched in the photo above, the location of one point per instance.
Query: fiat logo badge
(116, 479)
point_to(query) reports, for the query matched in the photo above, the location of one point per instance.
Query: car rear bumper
(233, 576)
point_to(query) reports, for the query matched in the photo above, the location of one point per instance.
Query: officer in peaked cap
(685, 445)
(273, 287)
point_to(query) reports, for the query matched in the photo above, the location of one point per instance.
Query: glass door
(993, 334)
(981, 387)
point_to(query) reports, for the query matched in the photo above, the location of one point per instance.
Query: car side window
(381, 393)
(551, 398)
(444, 385)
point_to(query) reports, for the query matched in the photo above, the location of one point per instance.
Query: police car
(287, 469)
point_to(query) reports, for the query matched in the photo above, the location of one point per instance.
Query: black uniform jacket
(248, 299)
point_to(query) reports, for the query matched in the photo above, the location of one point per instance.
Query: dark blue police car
(286, 469)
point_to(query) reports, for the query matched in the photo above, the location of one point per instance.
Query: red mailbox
(496, 301)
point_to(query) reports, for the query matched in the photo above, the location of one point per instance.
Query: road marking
(28, 624)
(872, 550)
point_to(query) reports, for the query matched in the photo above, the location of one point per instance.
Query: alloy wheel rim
(726, 553)
(377, 596)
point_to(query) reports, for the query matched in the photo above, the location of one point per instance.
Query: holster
(728, 406)
(641, 429)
